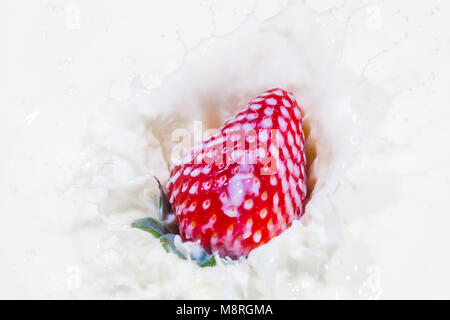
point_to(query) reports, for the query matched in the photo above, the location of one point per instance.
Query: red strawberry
(247, 183)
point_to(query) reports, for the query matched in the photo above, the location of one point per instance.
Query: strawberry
(245, 184)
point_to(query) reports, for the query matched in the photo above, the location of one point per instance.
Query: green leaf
(157, 229)
(209, 261)
(164, 206)
(160, 210)
(203, 260)
(150, 225)
(168, 244)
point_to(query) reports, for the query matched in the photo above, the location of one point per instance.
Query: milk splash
(298, 50)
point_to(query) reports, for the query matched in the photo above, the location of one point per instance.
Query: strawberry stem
(166, 230)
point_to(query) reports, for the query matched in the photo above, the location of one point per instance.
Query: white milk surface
(93, 92)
